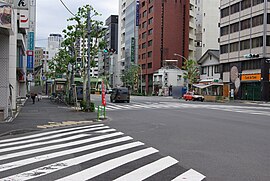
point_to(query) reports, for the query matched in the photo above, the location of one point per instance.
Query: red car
(191, 96)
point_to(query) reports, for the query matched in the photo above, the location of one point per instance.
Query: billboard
(31, 40)
(5, 15)
(21, 4)
(132, 53)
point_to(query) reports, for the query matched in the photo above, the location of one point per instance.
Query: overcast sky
(52, 15)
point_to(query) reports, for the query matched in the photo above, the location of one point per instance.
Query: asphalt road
(225, 142)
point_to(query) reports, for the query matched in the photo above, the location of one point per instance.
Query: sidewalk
(41, 113)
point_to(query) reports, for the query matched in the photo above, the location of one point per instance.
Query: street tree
(129, 76)
(78, 32)
(192, 72)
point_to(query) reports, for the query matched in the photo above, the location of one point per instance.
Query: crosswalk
(86, 152)
(255, 110)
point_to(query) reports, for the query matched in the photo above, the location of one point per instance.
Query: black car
(120, 94)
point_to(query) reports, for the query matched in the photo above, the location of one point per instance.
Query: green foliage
(83, 106)
(129, 75)
(192, 71)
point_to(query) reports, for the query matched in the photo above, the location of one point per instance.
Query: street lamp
(176, 54)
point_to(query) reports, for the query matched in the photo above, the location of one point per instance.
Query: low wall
(213, 98)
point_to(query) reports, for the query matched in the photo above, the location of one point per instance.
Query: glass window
(223, 49)
(245, 44)
(245, 4)
(149, 65)
(234, 47)
(234, 27)
(235, 8)
(150, 9)
(150, 42)
(149, 54)
(257, 42)
(224, 12)
(257, 20)
(245, 24)
(150, 21)
(144, 13)
(150, 32)
(224, 30)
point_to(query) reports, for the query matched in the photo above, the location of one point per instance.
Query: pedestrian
(39, 96)
(33, 97)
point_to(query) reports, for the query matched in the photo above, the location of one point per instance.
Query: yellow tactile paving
(64, 123)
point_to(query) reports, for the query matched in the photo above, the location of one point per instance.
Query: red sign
(103, 96)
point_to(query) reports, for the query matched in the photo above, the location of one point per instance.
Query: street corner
(64, 124)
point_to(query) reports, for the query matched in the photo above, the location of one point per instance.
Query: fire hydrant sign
(103, 96)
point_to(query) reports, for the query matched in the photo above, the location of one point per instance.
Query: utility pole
(88, 88)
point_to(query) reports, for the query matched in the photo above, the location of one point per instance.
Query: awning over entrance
(202, 86)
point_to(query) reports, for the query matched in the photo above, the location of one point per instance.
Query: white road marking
(48, 137)
(41, 171)
(47, 133)
(190, 175)
(149, 170)
(53, 147)
(109, 165)
(32, 160)
(105, 131)
(52, 141)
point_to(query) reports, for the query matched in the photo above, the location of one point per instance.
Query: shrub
(83, 106)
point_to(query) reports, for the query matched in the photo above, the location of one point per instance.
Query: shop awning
(202, 86)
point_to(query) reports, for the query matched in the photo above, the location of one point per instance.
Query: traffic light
(251, 55)
(106, 50)
(79, 63)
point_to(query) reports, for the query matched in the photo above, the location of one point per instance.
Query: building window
(234, 47)
(245, 44)
(257, 20)
(143, 3)
(225, 12)
(150, 1)
(143, 66)
(150, 42)
(150, 32)
(267, 40)
(144, 13)
(150, 9)
(268, 18)
(216, 69)
(144, 24)
(149, 54)
(144, 56)
(257, 42)
(255, 2)
(245, 24)
(149, 65)
(234, 27)
(144, 35)
(235, 8)
(245, 4)
(143, 45)
(204, 70)
(224, 30)
(150, 21)
(224, 49)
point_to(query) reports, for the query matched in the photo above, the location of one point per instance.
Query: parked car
(120, 94)
(191, 96)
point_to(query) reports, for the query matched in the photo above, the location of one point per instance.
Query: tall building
(111, 36)
(54, 44)
(127, 36)
(245, 48)
(164, 31)
(207, 29)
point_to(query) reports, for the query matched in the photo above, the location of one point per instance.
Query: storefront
(251, 87)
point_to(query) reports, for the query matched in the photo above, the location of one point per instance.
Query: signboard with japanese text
(132, 49)
(5, 15)
(30, 60)
(24, 19)
(137, 12)
(31, 41)
(21, 4)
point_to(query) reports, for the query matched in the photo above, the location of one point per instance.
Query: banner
(132, 49)
(103, 96)
(137, 12)
(31, 41)
(30, 60)
(5, 15)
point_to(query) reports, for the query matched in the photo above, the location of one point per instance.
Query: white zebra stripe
(190, 175)
(31, 174)
(47, 133)
(49, 148)
(49, 137)
(149, 170)
(105, 131)
(109, 165)
(52, 141)
(32, 160)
